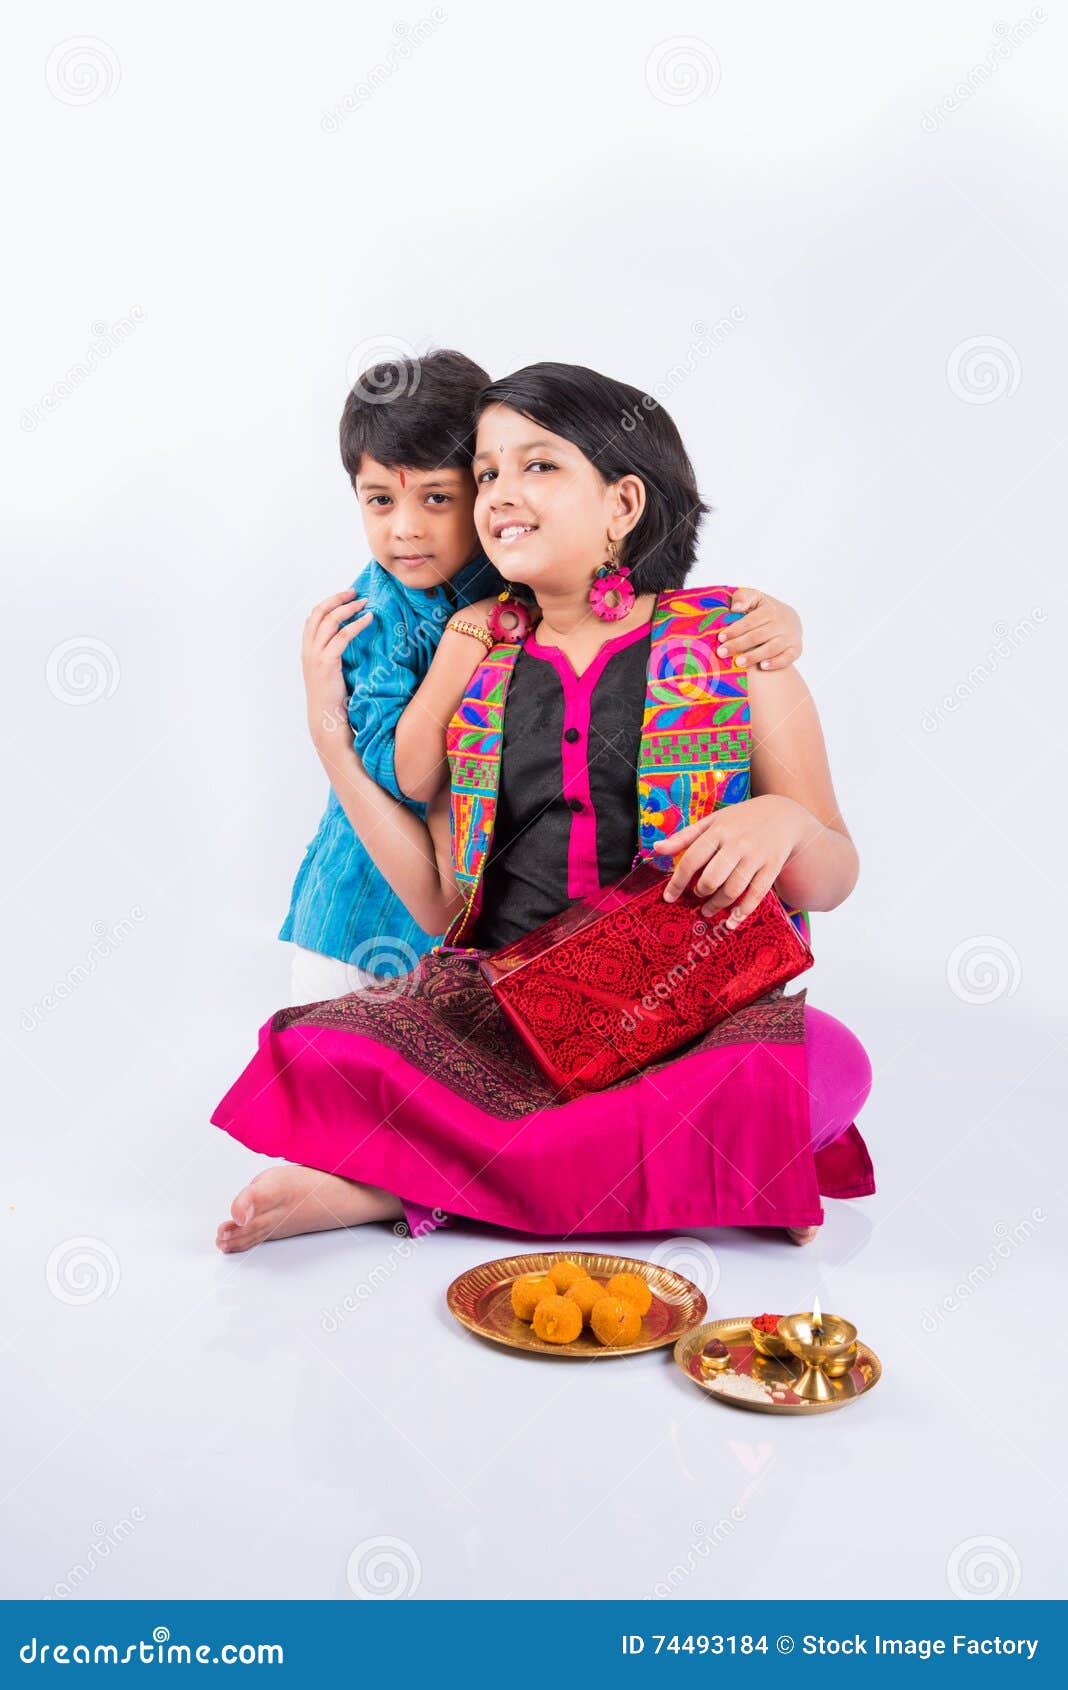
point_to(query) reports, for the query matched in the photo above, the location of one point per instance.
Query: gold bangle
(475, 631)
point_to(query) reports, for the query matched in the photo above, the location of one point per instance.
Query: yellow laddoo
(557, 1321)
(632, 1288)
(527, 1293)
(585, 1292)
(564, 1274)
(615, 1321)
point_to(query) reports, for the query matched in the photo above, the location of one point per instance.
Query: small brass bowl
(715, 1364)
(768, 1343)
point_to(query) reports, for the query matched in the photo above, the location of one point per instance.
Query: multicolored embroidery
(695, 746)
(694, 754)
(473, 741)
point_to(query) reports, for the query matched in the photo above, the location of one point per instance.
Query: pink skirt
(419, 1086)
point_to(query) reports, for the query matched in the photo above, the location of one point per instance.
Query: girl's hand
(736, 854)
(769, 634)
(420, 746)
(327, 632)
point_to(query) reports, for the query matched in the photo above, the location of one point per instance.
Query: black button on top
(571, 734)
(575, 804)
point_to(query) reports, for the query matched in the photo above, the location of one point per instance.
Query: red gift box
(621, 979)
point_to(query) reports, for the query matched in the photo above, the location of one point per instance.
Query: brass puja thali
(481, 1300)
(766, 1382)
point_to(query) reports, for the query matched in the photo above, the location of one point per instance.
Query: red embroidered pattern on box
(618, 981)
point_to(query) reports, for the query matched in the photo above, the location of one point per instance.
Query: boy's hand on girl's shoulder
(768, 635)
(330, 628)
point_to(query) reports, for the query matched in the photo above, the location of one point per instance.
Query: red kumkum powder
(766, 1323)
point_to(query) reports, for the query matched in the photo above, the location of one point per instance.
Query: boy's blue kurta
(341, 905)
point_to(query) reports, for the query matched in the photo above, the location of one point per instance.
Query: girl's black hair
(623, 432)
(413, 413)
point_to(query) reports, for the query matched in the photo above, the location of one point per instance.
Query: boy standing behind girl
(406, 443)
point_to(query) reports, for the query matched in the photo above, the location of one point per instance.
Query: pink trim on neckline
(583, 876)
(616, 643)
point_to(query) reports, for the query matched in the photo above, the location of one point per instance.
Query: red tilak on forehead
(400, 472)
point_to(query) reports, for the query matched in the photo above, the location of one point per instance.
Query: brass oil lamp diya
(826, 1347)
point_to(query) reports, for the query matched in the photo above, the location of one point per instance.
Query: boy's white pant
(314, 977)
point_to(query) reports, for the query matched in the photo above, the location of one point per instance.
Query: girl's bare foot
(801, 1234)
(285, 1200)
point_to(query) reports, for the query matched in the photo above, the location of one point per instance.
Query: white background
(235, 200)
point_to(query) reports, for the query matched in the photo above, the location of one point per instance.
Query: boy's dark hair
(624, 432)
(413, 413)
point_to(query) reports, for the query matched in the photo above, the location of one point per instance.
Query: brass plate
(746, 1361)
(481, 1300)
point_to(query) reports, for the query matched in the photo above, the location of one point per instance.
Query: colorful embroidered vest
(694, 753)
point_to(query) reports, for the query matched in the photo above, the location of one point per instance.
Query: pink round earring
(509, 620)
(612, 595)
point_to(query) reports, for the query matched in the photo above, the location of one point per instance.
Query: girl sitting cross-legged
(594, 715)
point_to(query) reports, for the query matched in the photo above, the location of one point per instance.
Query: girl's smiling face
(543, 511)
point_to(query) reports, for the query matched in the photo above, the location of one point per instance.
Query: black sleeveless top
(567, 805)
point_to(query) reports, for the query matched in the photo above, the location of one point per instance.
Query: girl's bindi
(400, 472)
